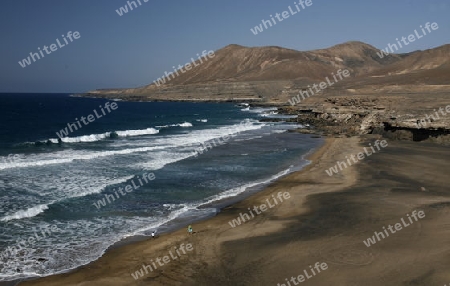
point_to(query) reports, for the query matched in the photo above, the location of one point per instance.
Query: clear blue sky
(136, 48)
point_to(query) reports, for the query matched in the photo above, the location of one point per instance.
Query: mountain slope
(262, 72)
(238, 63)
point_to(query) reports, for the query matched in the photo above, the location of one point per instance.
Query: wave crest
(102, 136)
(31, 212)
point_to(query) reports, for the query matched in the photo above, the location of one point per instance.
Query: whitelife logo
(128, 189)
(49, 49)
(166, 259)
(284, 15)
(124, 9)
(319, 87)
(73, 127)
(411, 38)
(398, 226)
(206, 146)
(302, 278)
(422, 123)
(21, 244)
(356, 158)
(204, 57)
(263, 207)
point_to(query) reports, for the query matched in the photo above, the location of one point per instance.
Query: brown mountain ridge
(263, 73)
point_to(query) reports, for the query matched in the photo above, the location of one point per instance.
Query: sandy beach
(325, 220)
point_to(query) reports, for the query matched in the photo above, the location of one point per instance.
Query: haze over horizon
(136, 48)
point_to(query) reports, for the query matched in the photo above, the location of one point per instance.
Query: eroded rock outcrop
(349, 115)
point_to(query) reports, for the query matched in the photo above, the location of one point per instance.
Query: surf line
(22, 244)
(64, 132)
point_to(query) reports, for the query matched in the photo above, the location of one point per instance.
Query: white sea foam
(90, 239)
(85, 155)
(63, 190)
(78, 243)
(86, 188)
(263, 109)
(103, 136)
(83, 241)
(192, 138)
(159, 160)
(31, 212)
(84, 138)
(184, 124)
(148, 131)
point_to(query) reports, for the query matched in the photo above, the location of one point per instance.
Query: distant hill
(426, 67)
(257, 72)
(238, 63)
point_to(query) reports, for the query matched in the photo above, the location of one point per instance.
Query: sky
(136, 48)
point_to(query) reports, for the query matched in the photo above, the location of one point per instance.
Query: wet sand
(326, 220)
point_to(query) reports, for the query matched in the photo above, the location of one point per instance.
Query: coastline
(326, 220)
(317, 153)
(128, 242)
(179, 223)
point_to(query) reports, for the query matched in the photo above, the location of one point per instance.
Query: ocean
(63, 203)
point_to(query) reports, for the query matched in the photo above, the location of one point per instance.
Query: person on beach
(153, 233)
(190, 229)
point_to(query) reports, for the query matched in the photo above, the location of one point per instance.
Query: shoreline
(255, 102)
(325, 220)
(310, 156)
(175, 225)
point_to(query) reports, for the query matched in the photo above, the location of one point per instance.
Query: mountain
(263, 73)
(238, 63)
(426, 67)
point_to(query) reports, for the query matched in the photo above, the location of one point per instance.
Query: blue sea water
(49, 185)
